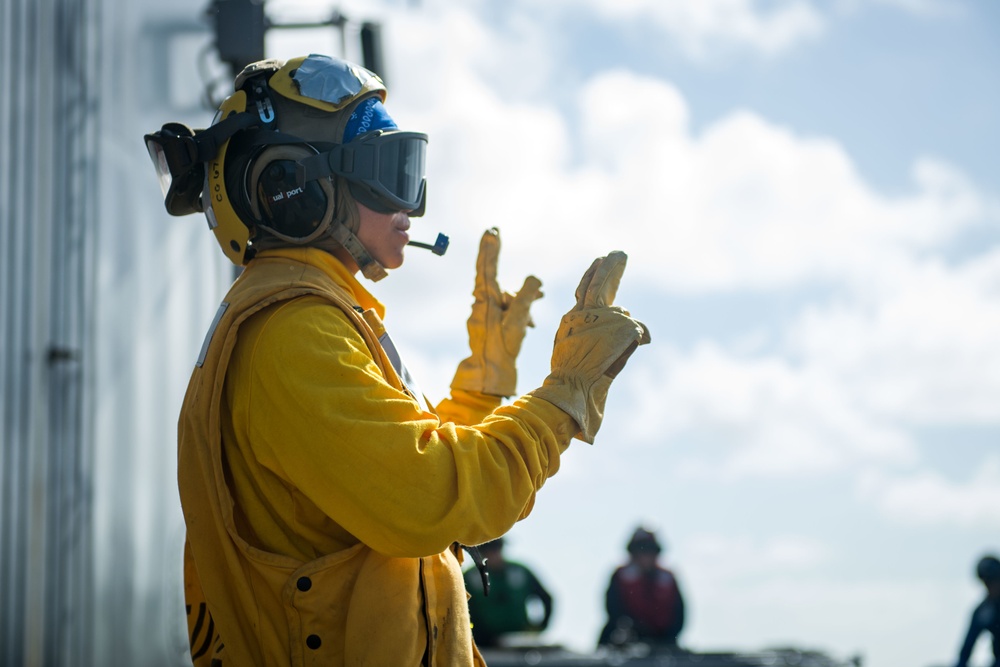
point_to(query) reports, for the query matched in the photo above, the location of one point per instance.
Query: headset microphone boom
(439, 247)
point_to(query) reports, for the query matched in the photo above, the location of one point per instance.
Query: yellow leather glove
(496, 326)
(592, 344)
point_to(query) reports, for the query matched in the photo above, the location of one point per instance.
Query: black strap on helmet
(180, 155)
(209, 140)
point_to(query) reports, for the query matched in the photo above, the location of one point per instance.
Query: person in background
(506, 609)
(643, 600)
(325, 499)
(986, 616)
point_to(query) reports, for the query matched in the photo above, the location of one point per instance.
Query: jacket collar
(333, 268)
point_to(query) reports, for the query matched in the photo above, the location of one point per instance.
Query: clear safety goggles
(180, 154)
(181, 175)
(386, 169)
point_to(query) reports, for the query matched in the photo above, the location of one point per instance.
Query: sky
(807, 194)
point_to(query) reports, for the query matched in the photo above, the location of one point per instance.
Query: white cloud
(700, 28)
(774, 418)
(930, 498)
(847, 384)
(918, 346)
(703, 28)
(744, 204)
(748, 204)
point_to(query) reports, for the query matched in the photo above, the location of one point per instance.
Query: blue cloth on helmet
(368, 116)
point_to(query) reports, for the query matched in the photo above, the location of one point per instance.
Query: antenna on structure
(241, 25)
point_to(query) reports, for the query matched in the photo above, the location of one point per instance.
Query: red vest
(649, 598)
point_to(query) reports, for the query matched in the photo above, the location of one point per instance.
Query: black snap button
(313, 642)
(304, 583)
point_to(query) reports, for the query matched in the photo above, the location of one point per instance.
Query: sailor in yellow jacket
(325, 500)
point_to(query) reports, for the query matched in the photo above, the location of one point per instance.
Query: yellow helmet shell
(320, 82)
(230, 231)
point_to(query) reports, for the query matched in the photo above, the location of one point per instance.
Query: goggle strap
(273, 138)
(313, 168)
(209, 140)
(340, 160)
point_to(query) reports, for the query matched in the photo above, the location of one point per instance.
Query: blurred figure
(512, 603)
(644, 601)
(987, 614)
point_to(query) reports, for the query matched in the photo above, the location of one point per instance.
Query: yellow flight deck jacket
(323, 503)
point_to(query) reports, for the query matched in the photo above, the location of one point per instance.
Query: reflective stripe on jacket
(322, 502)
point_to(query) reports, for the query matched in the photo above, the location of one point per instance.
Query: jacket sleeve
(615, 608)
(542, 594)
(467, 407)
(319, 414)
(678, 625)
(976, 627)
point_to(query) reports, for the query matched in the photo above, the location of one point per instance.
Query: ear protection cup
(293, 213)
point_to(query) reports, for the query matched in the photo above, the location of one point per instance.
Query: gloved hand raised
(496, 326)
(592, 344)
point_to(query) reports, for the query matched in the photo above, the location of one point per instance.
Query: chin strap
(343, 230)
(371, 269)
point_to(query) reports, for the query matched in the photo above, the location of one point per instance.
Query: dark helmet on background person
(289, 155)
(644, 541)
(988, 569)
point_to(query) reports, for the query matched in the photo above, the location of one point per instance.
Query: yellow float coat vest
(396, 595)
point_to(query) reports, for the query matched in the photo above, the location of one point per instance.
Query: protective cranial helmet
(988, 569)
(643, 541)
(287, 157)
